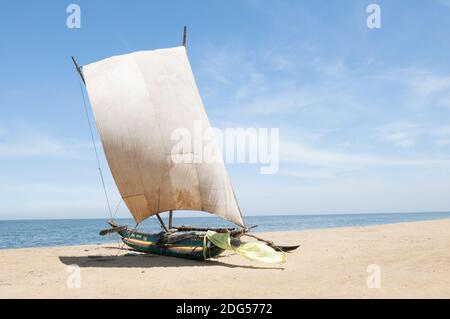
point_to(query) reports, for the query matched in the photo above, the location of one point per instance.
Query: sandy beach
(410, 260)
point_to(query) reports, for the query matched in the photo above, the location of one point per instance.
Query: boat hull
(190, 248)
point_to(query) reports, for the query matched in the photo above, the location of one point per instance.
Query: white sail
(138, 101)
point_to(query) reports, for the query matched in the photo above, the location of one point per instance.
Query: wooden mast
(161, 222)
(184, 36)
(79, 70)
(170, 218)
(171, 211)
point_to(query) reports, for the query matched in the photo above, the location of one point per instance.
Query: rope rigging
(96, 153)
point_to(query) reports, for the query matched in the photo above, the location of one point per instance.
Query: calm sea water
(35, 233)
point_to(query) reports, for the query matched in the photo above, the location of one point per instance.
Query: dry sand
(414, 260)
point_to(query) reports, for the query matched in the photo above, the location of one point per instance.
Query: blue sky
(364, 114)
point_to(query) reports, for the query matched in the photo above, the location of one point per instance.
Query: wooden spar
(161, 222)
(184, 35)
(271, 244)
(233, 231)
(218, 230)
(260, 239)
(80, 72)
(170, 219)
(112, 230)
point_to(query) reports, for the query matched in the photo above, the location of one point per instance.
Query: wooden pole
(170, 219)
(80, 72)
(218, 230)
(184, 36)
(161, 222)
(271, 244)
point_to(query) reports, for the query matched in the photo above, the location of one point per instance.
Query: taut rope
(96, 153)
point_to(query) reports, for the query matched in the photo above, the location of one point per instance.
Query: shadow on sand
(136, 260)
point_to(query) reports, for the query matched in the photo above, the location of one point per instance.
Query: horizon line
(213, 216)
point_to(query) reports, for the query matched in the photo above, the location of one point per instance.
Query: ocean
(46, 233)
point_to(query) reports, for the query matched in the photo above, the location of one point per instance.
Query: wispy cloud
(442, 142)
(323, 162)
(442, 131)
(407, 134)
(263, 84)
(428, 89)
(19, 142)
(401, 134)
(372, 116)
(330, 68)
(233, 69)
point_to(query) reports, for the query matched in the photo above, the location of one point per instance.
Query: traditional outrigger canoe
(140, 101)
(174, 243)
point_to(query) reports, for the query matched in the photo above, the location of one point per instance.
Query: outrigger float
(138, 101)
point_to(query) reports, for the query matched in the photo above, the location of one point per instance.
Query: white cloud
(39, 147)
(233, 69)
(442, 134)
(326, 162)
(21, 142)
(423, 88)
(442, 131)
(298, 153)
(400, 133)
(442, 142)
(401, 139)
(338, 94)
(429, 89)
(280, 102)
(406, 134)
(308, 173)
(281, 63)
(330, 68)
(76, 197)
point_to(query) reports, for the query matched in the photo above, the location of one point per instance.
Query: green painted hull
(191, 248)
